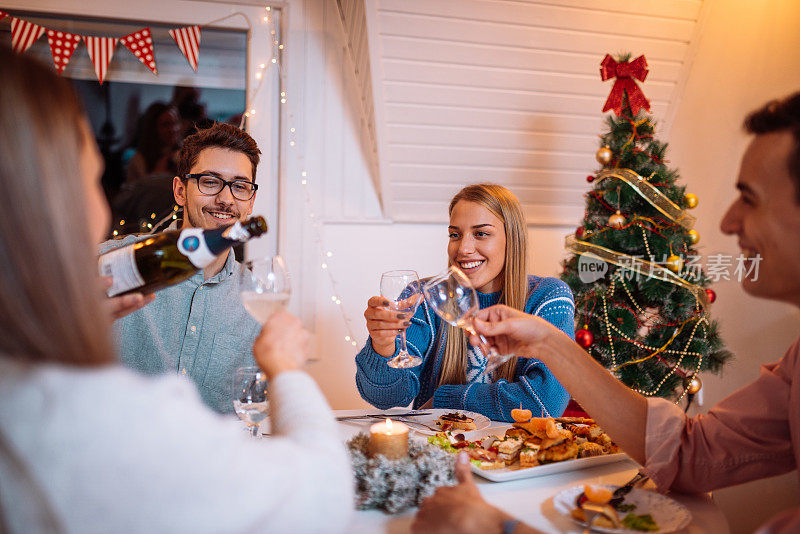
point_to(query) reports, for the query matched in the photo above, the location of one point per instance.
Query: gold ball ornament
(604, 155)
(694, 237)
(691, 200)
(693, 385)
(616, 221)
(674, 263)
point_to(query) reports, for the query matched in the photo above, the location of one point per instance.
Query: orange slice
(521, 416)
(597, 494)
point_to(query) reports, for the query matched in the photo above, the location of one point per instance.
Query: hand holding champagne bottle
(171, 257)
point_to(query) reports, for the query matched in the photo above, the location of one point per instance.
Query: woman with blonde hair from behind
(488, 241)
(87, 446)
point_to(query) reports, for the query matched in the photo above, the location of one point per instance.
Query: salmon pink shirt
(753, 433)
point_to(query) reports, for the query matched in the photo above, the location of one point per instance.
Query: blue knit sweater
(534, 386)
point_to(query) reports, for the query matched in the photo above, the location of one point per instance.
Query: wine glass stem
(403, 346)
(254, 431)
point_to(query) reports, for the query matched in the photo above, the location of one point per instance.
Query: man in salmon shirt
(754, 433)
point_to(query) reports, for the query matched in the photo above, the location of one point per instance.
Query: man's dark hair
(219, 135)
(778, 116)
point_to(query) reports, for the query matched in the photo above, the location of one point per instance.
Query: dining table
(531, 499)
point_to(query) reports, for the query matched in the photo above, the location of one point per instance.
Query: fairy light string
(325, 253)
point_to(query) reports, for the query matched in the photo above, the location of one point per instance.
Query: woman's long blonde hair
(50, 299)
(505, 206)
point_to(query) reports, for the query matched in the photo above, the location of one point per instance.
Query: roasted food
(530, 443)
(455, 420)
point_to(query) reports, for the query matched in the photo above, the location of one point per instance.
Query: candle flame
(389, 425)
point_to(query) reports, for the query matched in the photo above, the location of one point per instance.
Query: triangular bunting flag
(62, 45)
(188, 40)
(101, 50)
(141, 45)
(24, 34)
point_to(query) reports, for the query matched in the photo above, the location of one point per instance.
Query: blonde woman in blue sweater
(488, 240)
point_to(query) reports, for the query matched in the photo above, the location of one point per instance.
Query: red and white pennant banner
(24, 34)
(101, 50)
(62, 46)
(141, 45)
(188, 40)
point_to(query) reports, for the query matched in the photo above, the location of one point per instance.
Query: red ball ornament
(590, 178)
(584, 338)
(579, 232)
(712, 295)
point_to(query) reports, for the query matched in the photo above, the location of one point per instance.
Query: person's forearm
(620, 412)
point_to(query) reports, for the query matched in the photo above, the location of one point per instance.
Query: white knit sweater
(116, 452)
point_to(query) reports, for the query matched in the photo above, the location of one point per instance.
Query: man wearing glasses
(199, 327)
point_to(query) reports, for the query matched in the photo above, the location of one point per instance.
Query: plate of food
(444, 420)
(640, 510)
(532, 447)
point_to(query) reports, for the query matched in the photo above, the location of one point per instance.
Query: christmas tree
(640, 294)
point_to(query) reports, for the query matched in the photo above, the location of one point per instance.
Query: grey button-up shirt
(198, 328)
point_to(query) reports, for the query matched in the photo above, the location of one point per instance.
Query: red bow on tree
(625, 73)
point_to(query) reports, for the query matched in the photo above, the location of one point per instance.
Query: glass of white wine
(452, 297)
(264, 286)
(250, 397)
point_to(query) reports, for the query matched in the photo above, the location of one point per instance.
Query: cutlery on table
(619, 494)
(381, 416)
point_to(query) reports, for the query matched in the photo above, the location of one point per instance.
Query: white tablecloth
(531, 500)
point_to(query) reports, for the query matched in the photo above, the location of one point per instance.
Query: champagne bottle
(173, 256)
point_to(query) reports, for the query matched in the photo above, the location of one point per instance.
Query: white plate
(481, 421)
(515, 472)
(668, 514)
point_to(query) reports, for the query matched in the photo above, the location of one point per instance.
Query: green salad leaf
(644, 522)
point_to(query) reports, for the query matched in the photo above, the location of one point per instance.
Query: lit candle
(389, 438)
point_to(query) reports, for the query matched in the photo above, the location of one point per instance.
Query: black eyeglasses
(208, 184)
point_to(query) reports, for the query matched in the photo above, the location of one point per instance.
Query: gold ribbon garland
(637, 265)
(651, 194)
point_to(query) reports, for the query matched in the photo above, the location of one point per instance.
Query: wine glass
(264, 287)
(453, 298)
(402, 290)
(250, 397)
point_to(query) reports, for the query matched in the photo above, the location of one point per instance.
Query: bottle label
(120, 265)
(192, 244)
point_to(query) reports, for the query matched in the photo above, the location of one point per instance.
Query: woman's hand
(125, 304)
(282, 344)
(512, 331)
(384, 324)
(458, 509)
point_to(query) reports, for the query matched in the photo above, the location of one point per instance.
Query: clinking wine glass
(264, 286)
(250, 397)
(453, 298)
(402, 290)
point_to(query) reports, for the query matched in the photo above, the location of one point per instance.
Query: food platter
(532, 449)
(514, 472)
